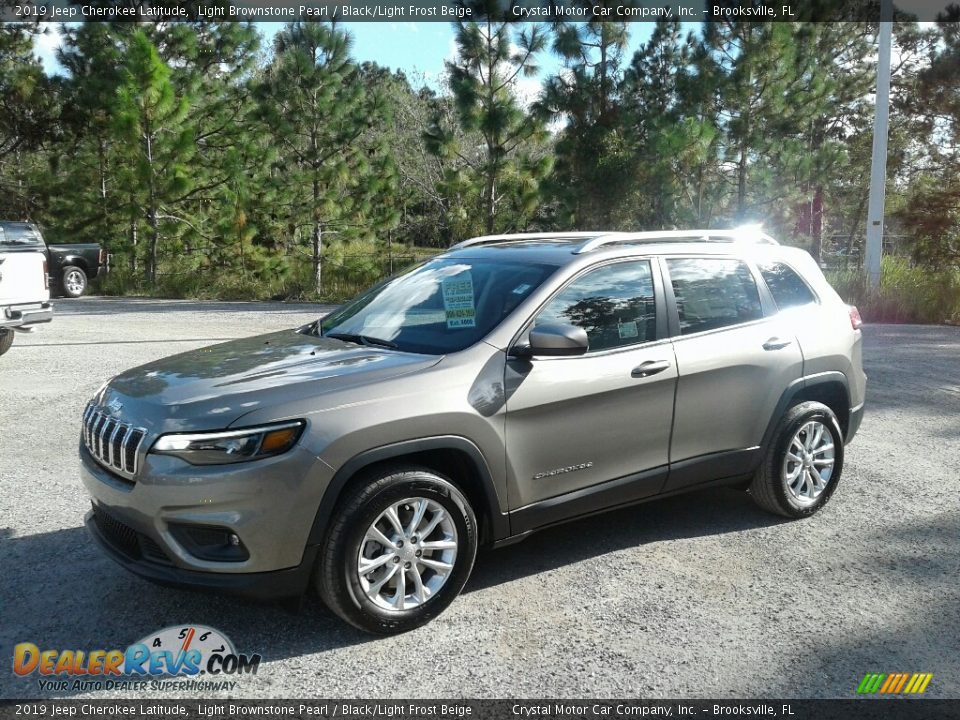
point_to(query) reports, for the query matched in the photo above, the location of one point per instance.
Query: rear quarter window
(786, 286)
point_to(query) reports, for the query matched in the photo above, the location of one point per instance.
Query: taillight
(103, 256)
(46, 276)
(856, 322)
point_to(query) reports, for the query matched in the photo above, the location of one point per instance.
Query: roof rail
(749, 235)
(488, 239)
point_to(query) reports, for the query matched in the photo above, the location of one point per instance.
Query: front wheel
(73, 281)
(6, 340)
(803, 463)
(399, 550)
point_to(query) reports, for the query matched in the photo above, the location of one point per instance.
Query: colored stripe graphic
(870, 683)
(894, 683)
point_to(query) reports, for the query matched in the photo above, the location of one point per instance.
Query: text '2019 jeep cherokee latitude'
(509, 384)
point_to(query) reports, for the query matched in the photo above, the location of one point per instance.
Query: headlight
(230, 446)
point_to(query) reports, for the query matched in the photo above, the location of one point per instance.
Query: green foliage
(495, 184)
(210, 169)
(906, 294)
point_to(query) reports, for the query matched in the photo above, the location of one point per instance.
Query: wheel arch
(453, 456)
(75, 261)
(830, 388)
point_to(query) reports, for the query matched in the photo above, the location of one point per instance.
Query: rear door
(735, 357)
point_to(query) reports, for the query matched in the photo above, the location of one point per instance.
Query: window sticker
(521, 289)
(458, 301)
(628, 329)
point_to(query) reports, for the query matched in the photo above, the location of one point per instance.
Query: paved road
(701, 596)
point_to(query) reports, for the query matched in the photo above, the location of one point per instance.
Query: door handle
(776, 343)
(648, 368)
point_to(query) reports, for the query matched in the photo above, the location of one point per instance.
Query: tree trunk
(491, 199)
(152, 215)
(133, 242)
(742, 182)
(816, 224)
(317, 240)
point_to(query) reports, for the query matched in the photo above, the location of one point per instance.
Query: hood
(214, 386)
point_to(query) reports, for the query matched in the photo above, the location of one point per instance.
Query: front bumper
(262, 585)
(18, 316)
(270, 504)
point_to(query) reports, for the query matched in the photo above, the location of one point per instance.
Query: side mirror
(555, 340)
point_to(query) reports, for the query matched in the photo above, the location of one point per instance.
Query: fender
(75, 260)
(795, 388)
(499, 521)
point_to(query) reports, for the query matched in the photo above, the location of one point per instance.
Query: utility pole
(878, 167)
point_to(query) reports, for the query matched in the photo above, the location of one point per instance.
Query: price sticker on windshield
(458, 301)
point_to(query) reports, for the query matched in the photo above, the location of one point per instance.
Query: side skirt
(717, 469)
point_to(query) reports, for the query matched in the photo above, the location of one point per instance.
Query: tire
(6, 340)
(73, 281)
(355, 598)
(772, 487)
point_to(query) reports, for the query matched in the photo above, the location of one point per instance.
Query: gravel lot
(697, 596)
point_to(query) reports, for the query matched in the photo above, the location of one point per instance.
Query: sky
(416, 48)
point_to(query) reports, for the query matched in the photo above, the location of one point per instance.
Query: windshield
(442, 306)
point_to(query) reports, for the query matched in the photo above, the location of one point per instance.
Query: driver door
(593, 430)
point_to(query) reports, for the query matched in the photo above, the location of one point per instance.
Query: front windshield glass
(442, 306)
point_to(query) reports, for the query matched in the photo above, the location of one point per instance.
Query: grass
(906, 294)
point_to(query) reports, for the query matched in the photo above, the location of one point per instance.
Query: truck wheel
(802, 466)
(73, 281)
(6, 340)
(399, 550)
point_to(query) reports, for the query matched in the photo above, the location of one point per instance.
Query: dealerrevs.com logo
(171, 659)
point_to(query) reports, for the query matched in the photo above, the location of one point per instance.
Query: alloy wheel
(407, 554)
(808, 465)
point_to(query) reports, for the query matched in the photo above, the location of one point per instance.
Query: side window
(614, 304)
(713, 293)
(787, 288)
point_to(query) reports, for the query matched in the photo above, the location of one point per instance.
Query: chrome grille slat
(112, 443)
(113, 436)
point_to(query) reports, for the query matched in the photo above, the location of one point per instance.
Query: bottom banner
(905, 709)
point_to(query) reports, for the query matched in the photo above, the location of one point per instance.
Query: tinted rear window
(19, 235)
(713, 293)
(786, 286)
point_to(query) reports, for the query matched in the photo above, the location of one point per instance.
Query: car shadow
(63, 593)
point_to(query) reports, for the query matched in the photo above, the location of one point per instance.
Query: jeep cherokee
(510, 384)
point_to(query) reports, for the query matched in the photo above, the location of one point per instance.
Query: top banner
(548, 11)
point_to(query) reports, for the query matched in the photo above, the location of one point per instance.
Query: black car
(71, 267)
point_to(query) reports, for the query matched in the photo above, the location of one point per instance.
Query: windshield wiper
(362, 339)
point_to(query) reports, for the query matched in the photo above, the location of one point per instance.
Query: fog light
(210, 543)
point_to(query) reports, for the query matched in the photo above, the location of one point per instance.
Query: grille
(120, 535)
(124, 538)
(114, 444)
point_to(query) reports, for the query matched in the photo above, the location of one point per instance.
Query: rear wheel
(399, 551)
(73, 281)
(803, 463)
(6, 340)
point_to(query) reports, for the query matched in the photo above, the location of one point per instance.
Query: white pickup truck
(24, 291)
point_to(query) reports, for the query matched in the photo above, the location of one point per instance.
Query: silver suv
(509, 384)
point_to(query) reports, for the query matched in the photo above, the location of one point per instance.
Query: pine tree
(327, 168)
(591, 173)
(158, 144)
(491, 57)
